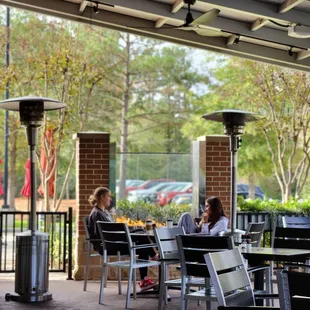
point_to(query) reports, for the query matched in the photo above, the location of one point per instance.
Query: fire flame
(131, 222)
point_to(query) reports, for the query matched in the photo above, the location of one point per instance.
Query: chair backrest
(296, 221)
(230, 278)
(192, 249)
(255, 231)
(115, 238)
(291, 283)
(296, 238)
(166, 241)
(86, 227)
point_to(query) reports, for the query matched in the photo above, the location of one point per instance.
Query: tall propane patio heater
(32, 247)
(234, 122)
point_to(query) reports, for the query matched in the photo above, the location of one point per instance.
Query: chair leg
(271, 282)
(183, 288)
(129, 287)
(162, 287)
(208, 304)
(268, 285)
(187, 292)
(134, 282)
(199, 301)
(166, 287)
(119, 275)
(86, 271)
(106, 275)
(208, 285)
(102, 285)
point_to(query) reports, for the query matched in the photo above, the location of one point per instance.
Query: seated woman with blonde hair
(214, 219)
(101, 200)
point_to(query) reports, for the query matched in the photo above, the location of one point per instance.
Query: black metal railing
(57, 224)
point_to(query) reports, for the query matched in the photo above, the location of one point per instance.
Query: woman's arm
(221, 225)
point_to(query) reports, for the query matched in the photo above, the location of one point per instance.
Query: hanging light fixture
(32, 247)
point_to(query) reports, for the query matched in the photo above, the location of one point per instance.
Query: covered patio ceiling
(271, 31)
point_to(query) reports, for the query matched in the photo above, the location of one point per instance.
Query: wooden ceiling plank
(289, 5)
(231, 40)
(303, 55)
(178, 4)
(160, 22)
(262, 9)
(259, 23)
(116, 21)
(83, 5)
(221, 23)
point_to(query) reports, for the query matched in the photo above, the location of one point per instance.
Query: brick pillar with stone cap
(218, 178)
(92, 171)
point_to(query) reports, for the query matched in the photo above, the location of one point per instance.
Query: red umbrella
(27, 181)
(1, 189)
(44, 160)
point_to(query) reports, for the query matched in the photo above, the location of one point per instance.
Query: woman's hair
(216, 209)
(98, 193)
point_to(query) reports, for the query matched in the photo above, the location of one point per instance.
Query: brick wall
(218, 169)
(92, 171)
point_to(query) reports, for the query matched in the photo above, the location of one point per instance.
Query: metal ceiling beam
(263, 10)
(119, 22)
(288, 5)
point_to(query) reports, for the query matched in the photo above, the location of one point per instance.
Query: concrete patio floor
(70, 295)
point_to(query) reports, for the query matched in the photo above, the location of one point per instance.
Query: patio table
(258, 256)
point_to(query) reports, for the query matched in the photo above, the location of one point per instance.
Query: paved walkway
(69, 295)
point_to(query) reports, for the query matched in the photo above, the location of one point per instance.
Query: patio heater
(234, 122)
(32, 247)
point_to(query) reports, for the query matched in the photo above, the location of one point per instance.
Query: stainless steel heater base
(32, 298)
(31, 270)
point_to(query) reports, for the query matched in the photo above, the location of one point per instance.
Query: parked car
(166, 196)
(147, 195)
(148, 184)
(129, 182)
(182, 199)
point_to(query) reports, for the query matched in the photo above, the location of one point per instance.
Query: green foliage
(142, 210)
(291, 206)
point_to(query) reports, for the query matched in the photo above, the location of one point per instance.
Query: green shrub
(143, 210)
(293, 205)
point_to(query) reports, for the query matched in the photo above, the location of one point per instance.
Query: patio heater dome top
(31, 108)
(233, 120)
(14, 104)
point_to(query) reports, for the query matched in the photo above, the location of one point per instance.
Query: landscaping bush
(141, 211)
(291, 206)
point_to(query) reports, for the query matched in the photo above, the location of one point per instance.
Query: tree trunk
(251, 185)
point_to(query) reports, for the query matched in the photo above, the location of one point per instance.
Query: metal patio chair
(116, 239)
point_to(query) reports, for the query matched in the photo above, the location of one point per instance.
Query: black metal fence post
(70, 224)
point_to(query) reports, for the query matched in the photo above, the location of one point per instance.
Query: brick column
(218, 170)
(92, 171)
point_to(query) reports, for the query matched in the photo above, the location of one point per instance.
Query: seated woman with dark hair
(213, 220)
(101, 201)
